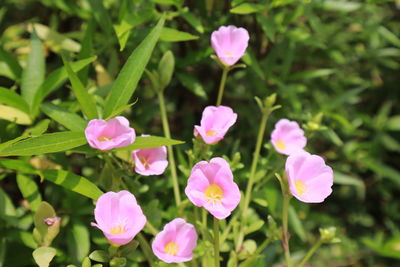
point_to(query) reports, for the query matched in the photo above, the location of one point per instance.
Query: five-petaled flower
(288, 138)
(230, 43)
(175, 243)
(215, 123)
(310, 180)
(119, 217)
(211, 186)
(150, 161)
(106, 135)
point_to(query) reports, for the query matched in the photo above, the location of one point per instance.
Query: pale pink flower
(230, 43)
(287, 137)
(214, 124)
(211, 186)
(106, 135)
(175, 243)
(119, 217)
(310, 180)
(150, 161)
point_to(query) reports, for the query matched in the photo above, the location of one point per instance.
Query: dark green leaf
(68, 119)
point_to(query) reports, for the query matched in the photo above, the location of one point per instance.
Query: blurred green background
(333, 64)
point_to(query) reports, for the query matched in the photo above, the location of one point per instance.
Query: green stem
(248, 261)
(216, 241)
(310, 253)
(167, 134)
(145, 248)
(256, 155)
(222, 85)
(151, 228)
(285, 232)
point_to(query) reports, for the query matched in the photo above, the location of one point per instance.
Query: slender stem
(248, 261)
(222, 85)
(167, 134)
(151, 227)
(310, 253)
(216, 241)
(145, 248)
(285, 233)
(256, 155)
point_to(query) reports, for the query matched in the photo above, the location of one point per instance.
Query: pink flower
(310, 180)
(175, 243)
(150, 161)
(105, 135)
(230, 43)
(119, 217)
(215, 122)
(211, 186)
(287, 137)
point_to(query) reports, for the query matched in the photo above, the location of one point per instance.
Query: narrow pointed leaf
(67, 119)
(85, 100)
(13, 99)
(34, 72)
(73, 182)
(46, 143)
(128, 78)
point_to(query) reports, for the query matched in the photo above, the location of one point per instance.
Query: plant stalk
(310, 253)
(222, 85)
(145, 248)
(167, 134)
(216, 241)
(285, 232)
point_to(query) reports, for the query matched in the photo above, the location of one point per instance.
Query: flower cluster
(211, 183)
(310, 179)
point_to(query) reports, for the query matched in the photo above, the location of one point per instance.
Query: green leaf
(172, 35)
(18, 165)
(44, 211)
(68, 119)
(29, 190)
(46, 143)
(149, 142)
(44, 255)
(54, 40)
(12, 63)
(73, 182)
(193, 20)
(99, 255)
(344, 179)
(38, 129)
(14, 115)
(127, 80)
(393, 123)
(85, 100)
(310, 74)
(343, 6)
(191, 83)
(120, 110)
(34, 72)
(7, 209)
(247, 8)
(101, 16)
(79, 246)
(86, 50)
(12, 99)
(55, 79)
(389, 36)
(296, 223)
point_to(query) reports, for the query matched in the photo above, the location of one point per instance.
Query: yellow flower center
(228, 54)
(118, 229)
(211, 133)
(214, 194)
(171, 248)
(280, 145)
(300, 187)
(145, 162)
(104, 138)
